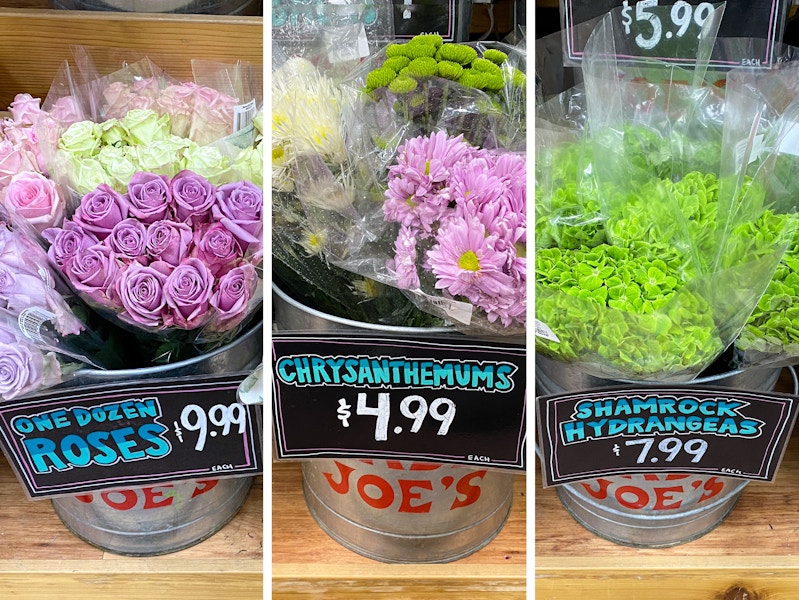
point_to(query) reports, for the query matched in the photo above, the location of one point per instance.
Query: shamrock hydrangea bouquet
(657, 219)
(172, 254)
(436, 205)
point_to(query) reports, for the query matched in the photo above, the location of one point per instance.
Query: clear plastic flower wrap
(312, 183)
(44, 335)
(103, 128)
(435, 191)
(656, 231)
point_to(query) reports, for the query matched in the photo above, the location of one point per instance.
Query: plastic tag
(243, 115)
(30, 322)
(543, 331)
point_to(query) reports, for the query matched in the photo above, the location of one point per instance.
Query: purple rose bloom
(92, 271)
(66, 242)
(100, 210)
(216, 247)
(149, 197)
(128, 239)
(24, 368)
(187, 291)
(232, 296)
(169, 241)
(141, 292)
(193, 196)
(239, 208)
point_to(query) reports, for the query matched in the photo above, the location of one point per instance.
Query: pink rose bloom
(120, 98)
(168, 241)
(193, 196)
(141, 291)
(187, 291)
(25, 109)
(149, 197)
(128, 239)
(100, 210)
(92, 271)
(232, 296)
(239, 208)
(36, 198)
(66, 242)
(25, 141)
(10, 161)
(65, 110)
(24, 369)
(216, 247)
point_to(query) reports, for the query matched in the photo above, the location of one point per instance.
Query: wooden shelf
(40, 558)
(306, 563)
(753, 554)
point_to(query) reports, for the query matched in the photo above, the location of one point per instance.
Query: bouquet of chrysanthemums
(171, 254)
(436, 202)
(313, 183)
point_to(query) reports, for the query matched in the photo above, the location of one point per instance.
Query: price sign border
(547, 415)
(575, 57)
(103, 393)
(459, 341)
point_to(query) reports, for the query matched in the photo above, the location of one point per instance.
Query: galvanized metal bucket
(650, 510)
(397, 511)
(153, 520)
(147, 521)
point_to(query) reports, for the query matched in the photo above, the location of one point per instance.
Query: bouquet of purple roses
(172, 254)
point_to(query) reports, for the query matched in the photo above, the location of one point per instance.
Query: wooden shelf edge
(399, 572)
(130, 17)
(139, 566)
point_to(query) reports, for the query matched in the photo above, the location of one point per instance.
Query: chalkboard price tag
(669, 31)
(80, 439)
(629, 430)
(452, 400)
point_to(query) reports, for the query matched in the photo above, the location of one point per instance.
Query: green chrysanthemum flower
(380, 77)
(495, 56)
(449, 70)
(472, 78)
(419, 50)
(395, 50)
(493, 82)
(518, 79)
(427, 38)
(396, 63)
(457, 53)
(403, 84)
(485, 66)
(421, 67)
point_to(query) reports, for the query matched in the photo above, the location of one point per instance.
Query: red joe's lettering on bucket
(647, 494)
(407, 495)
(145, 497)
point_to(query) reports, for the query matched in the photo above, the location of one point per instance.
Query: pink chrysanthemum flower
(465, 263)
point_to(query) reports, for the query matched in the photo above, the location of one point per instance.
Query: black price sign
(413, 17)
(454, 401)
(628, 430)
(80, 439)
(669, 30)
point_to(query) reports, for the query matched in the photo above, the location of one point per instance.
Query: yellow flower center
(468, 261)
